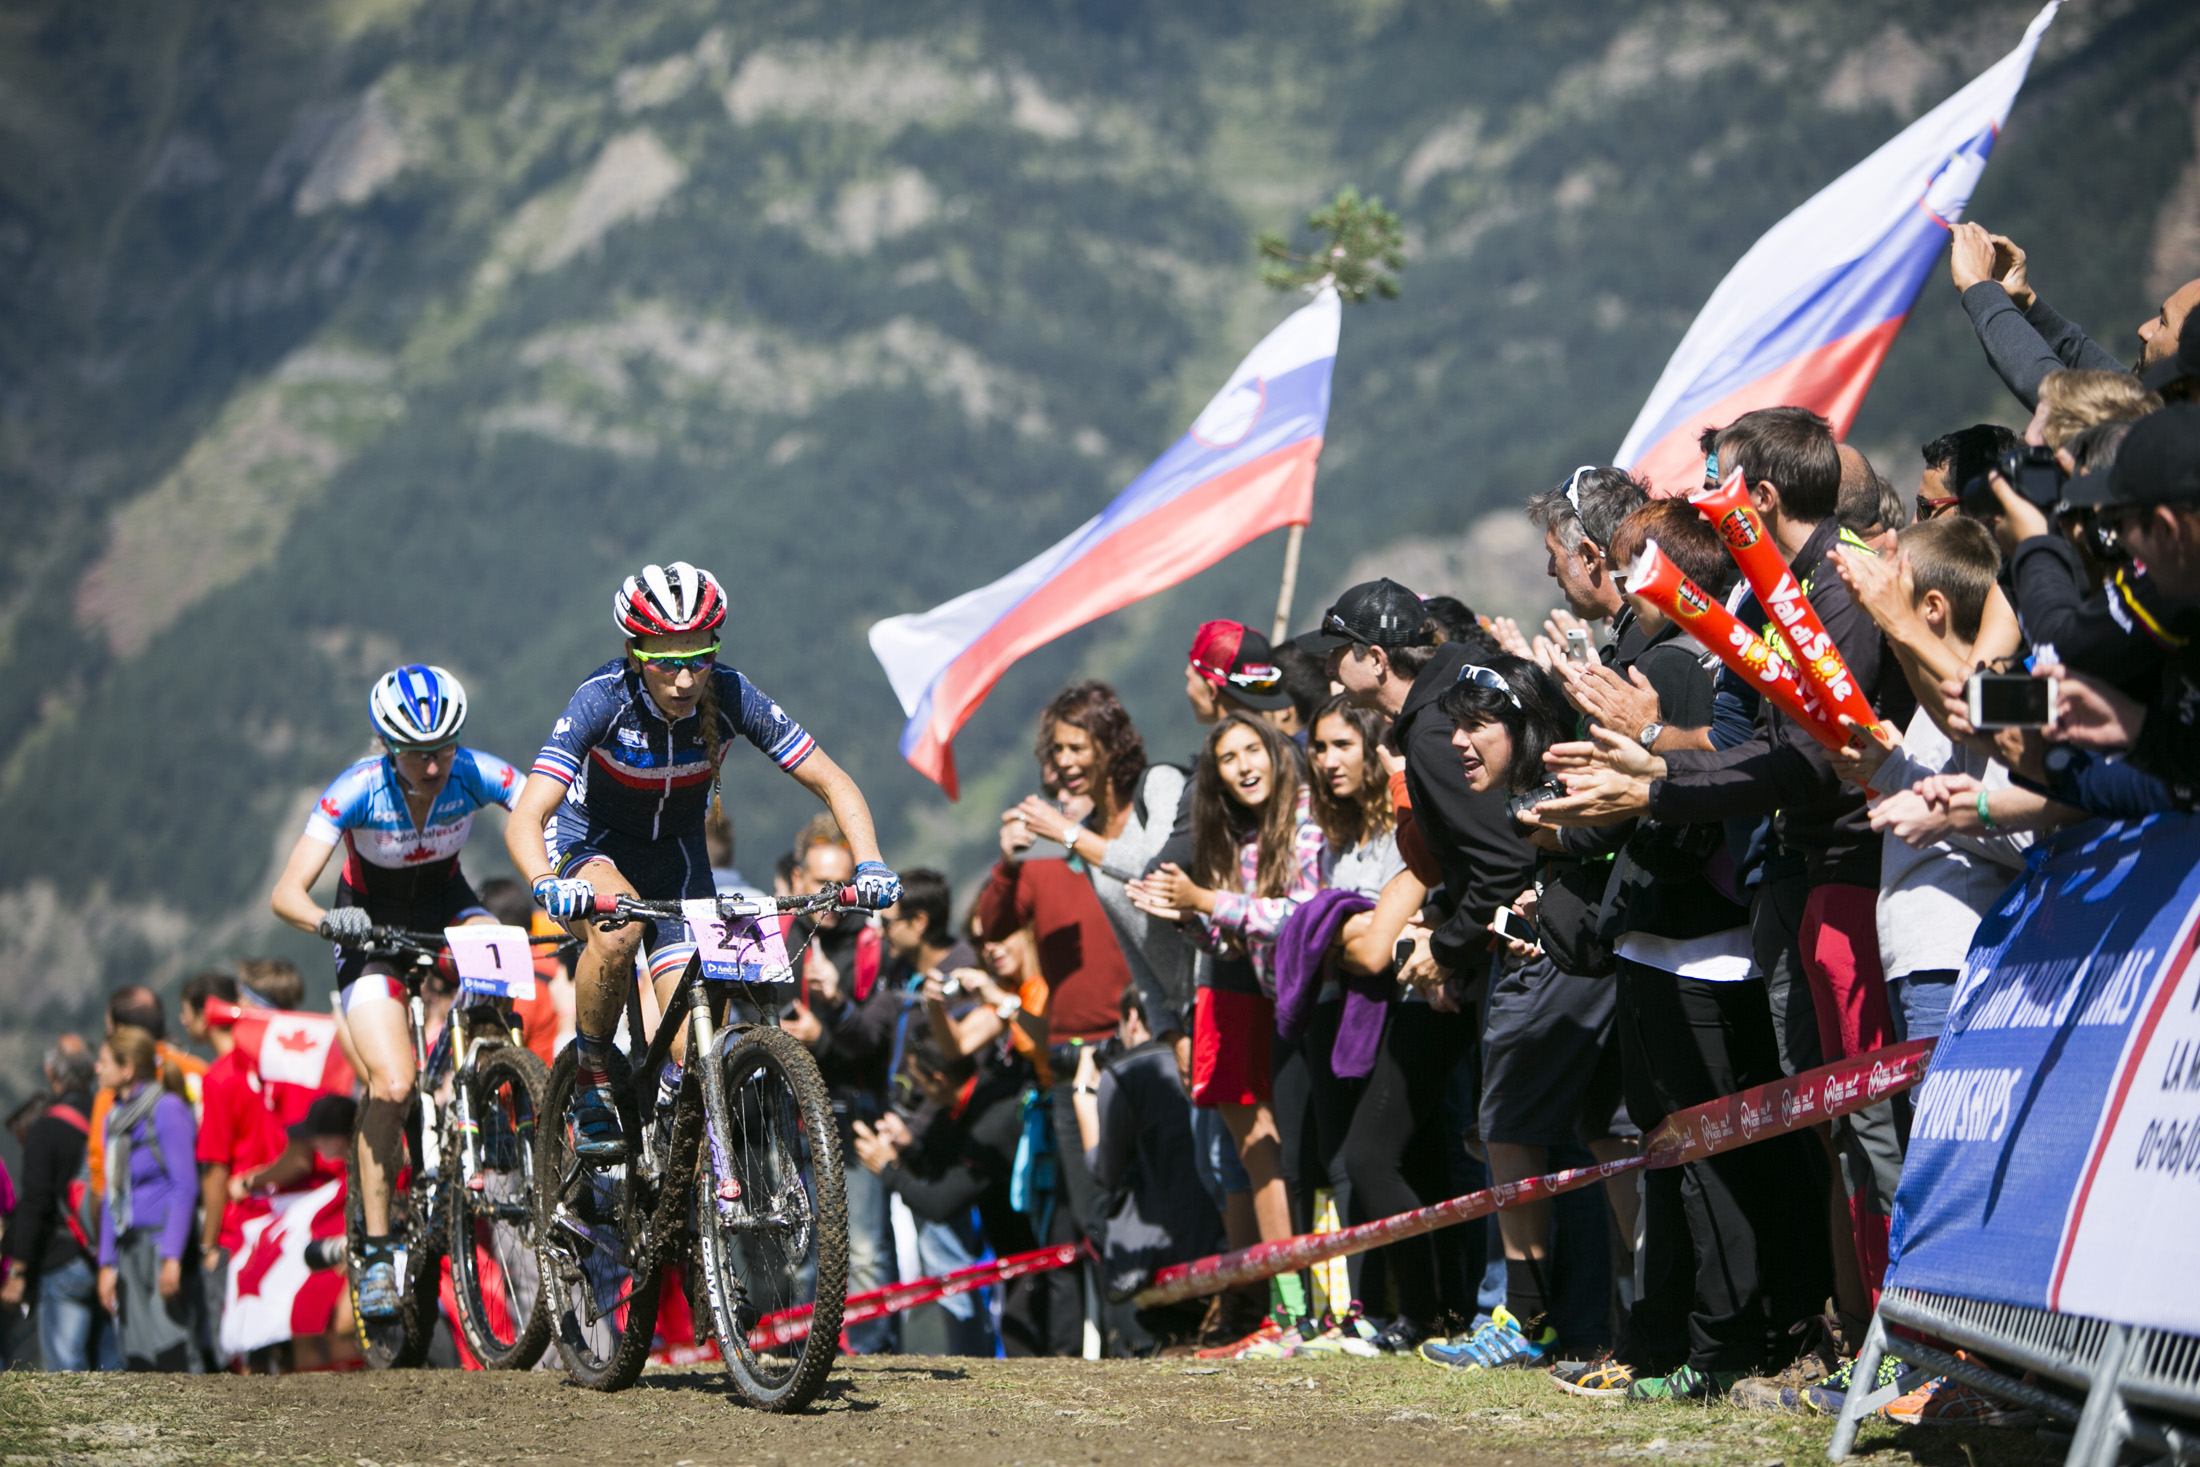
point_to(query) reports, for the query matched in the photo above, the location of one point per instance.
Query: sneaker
(1231, 1315)
(597, 1132)
(378, 1296)
(1497, 1345)
(1606, 1377)
(1282, 1346)
(1397, 1337)
(1269, 1330)
(1350, 1335)
(1828, 1394)
(1946, 1402)
(1766, 1393)
(1685, 1384)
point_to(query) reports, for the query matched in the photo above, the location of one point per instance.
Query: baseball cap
(329, 1115)
(2159, 463)
(1379, 613)
(1239, 661)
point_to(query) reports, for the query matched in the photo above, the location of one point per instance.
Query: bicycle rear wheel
(398, 1341)
(772, 1222)
(601, 1287)
(495, 1274)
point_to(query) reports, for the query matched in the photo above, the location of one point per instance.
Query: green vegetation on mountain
(344, 332)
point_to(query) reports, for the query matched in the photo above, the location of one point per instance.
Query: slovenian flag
(1246, 467)
(1808, 315)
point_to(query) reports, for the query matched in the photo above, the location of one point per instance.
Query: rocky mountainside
(343, 332)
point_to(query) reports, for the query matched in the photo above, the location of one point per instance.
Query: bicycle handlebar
(622, 906)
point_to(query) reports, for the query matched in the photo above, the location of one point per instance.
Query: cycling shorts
(361, 979)
(668, 869)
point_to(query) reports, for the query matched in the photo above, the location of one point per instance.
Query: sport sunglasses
(1489, 677)
(696, 661)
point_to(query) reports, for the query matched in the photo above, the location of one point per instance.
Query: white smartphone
(1577, 645)
(1509, 923)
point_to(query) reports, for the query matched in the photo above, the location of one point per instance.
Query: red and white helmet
(666, 599)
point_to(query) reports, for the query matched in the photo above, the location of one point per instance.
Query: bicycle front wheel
(601, 1285)
(396, 1341)
(772, 1221)
(495, 1275)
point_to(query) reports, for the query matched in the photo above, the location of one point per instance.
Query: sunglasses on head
(1573, 487)
(1711, 469)
(1491, 678)
(695, 661)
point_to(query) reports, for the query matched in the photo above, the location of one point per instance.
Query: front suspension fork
(717, 1124)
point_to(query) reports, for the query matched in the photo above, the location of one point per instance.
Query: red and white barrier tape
(789, 1325)
(1704, 1130)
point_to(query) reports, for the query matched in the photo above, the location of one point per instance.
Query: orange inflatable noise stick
(1658, 581)
(1816, 659)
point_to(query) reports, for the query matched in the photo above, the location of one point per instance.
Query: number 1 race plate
(493, 962)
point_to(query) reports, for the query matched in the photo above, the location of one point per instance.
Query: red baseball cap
(1238, 660)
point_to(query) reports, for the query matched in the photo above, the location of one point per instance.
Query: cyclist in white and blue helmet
(616, 801)
(401, 815)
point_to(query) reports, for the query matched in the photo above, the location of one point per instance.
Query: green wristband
(1985, 816)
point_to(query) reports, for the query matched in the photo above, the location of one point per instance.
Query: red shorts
(1231, 1034)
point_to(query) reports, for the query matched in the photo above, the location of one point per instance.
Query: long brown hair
(1347, 823)
(139, 1053)
(1220, 824)
(1094, 708)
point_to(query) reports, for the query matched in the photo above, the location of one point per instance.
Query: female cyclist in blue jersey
(401, 817)
(616, 800)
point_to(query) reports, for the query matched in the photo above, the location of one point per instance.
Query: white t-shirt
(1720, 957)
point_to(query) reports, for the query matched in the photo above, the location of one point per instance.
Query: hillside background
(335, 333)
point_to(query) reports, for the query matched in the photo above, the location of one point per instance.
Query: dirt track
(973, 1413)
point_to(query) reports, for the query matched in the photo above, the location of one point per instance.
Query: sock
(668, 1084)
(376, 1247)
(1287, 1300)
(1524, 1294)
(592, 1057)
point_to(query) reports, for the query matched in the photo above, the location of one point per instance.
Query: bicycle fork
(725, 1187)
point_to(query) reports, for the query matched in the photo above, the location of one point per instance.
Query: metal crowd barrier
(2142, 1386)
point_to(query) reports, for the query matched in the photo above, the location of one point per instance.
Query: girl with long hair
(152, 1182)
(1257, 853)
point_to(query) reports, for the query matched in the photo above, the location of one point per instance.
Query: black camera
(2032, 470)
(1551, 789)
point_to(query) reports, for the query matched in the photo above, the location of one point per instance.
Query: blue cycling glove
(564, 897)
(877, 887)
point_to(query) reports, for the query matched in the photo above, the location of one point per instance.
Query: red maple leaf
(267, 1251)
(297, 1041)
(419, 853)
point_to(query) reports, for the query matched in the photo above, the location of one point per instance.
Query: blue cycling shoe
(378, 1296)
(597, 1133)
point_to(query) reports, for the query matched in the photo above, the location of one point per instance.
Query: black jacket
(53, 1153)
(966, 1159)
(1156, 1211)
(1784, 768)
(1485, 861)
(858, 1042)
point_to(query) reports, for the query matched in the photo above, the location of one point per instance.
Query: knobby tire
(504, 1314)
(400, 1341)
(609, 1354)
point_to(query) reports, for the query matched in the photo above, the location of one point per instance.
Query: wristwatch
(1649, 734)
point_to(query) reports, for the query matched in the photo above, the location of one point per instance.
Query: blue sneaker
(378, 1297)
(1498, 1345)
(597, 1134)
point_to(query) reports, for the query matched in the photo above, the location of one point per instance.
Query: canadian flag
(289, 1048)
(272, 1295)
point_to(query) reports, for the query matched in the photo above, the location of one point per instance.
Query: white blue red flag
(1245, 467)
(1808, 315)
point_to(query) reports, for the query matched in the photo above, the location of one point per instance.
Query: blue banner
(2021, 1182)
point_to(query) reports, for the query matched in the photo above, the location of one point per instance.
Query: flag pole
(1290, 583)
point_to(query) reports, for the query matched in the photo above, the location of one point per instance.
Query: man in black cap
(2150, 502)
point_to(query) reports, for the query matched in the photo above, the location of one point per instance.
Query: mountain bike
(740, 1182)
(462, 1186)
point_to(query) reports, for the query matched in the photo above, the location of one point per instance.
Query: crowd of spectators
(1436, 901)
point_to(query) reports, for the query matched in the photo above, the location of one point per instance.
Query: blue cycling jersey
(388, 856)
(629, 769)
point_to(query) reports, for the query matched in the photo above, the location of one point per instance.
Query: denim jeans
(870, 1254)
(73, 1331)
(1221, 1170)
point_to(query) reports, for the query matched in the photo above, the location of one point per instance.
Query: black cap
(330, 1115)
(2159, 463)
(2181, 363)
(1378, 613)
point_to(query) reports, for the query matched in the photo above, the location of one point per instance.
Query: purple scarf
(1302, 954)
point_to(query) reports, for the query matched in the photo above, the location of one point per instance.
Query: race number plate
(737, 949)
(492, 962)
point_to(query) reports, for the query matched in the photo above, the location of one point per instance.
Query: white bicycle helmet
(668, 599)
(417, 706)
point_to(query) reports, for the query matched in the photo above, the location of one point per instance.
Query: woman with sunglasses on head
(616, 801)
(402, 816)
(1257, 854)
(1549, 1074)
